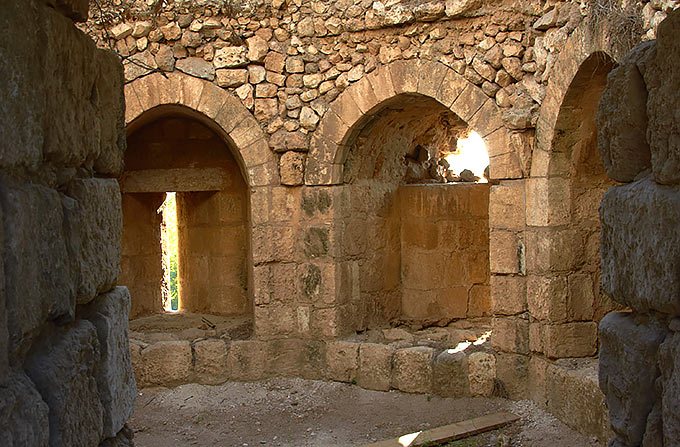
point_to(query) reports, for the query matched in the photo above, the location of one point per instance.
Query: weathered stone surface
(115, 378)
(23, 412)
(482, 373)
(570, 339)
(257, 49)
(247, 360)
(139, 65)
(622, 119)
(166, 363)
(461, 8)
(640, 222)
(95, 226)
(669, 363)
(628, 371)
(450, 375)
(292, 168)
(232, 77)
(342, 360)
(198, 67)
(662, 81)
(210, 362)
(63, 368)
(412, 371)
(39, 277)
(375, 366)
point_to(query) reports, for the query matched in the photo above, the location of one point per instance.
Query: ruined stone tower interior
(399, 213)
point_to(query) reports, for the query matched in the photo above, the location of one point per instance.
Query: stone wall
(318, 101)
(444, 252)
(65, 372)
(640, 143)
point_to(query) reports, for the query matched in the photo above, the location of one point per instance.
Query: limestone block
(95, 225)
(508, 295)
(640, 222)
(512, 371)
(23, 412)
(375, 366)
(570, 339)
(247, 360)
(39, 274)
(510, 334)
(482, 373)
(257, 49)
(235, 77)
(450, 374)
(547, 297)
(541, 191)
(504, 252)
(506, 205)
(663, 104)
(342, 360)
(412, 371)
(669, 363)
(111, 109)
(166, 363)
(461, 8)
(296, 358)
(22, 110)
(196, 66)
(628, 370)
(622, 119)
(574, 397)
(63, 368)
(292, 168)
(114, 374)
(210, 366)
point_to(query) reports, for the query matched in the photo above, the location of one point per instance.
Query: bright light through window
(470, 154)
(170, 287)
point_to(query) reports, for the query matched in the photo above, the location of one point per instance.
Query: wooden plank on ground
(450, 432)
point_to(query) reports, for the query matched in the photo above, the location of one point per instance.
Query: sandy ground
(308, 413)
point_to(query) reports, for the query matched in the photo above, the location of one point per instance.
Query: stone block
(547, 297)
(39, 276)
(628, 371)
(662, 81)
(63, 368)
(375, 366)
(292, 168)
(511, 372)
(547, 201)
(95, 225)
(510, 334)
(574, 398)
(571, 339)
(622, 119)
(412, 370)
(210, 362)
(553, 250)
(247, 360)
(507, 206)
(640, 222)
(296, 358)
(23, 412)
(342, 360)
(508, 295)
(669, 364)
(275, 320)
(166, 363)
(482, 373)
(115, 378)
(479, 301)
(504, 252)
(450, 374)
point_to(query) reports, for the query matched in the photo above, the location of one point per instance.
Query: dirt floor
(307, 413)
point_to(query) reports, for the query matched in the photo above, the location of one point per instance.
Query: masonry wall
(444, 251)
(639, 348)
(65, 371)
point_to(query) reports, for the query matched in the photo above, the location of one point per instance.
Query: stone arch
(216, 108)
(354, 107)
